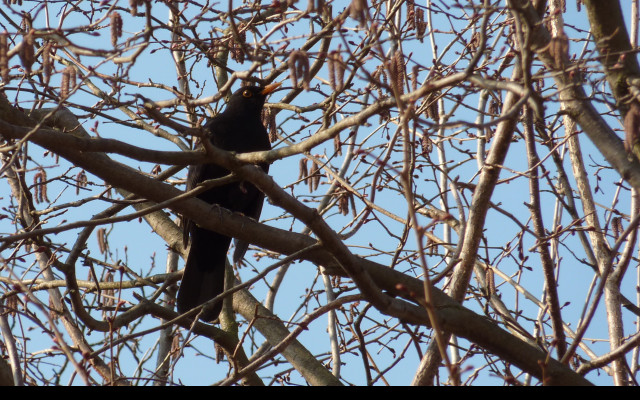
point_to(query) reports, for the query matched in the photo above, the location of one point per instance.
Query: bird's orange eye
(247, 93)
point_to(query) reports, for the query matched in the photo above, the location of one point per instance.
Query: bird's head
(249, 100)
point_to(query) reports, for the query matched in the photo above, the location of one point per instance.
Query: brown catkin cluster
(299, 69)
(101, 234)
(426, 144)
(315, 5)
(616, 227)
(632, 127)
(81, 181)
(430, 105)
(421, 25)
(415, 71)
(379, 78)
(411, 14)
(358, 11)
(27, 22)
(336, 66)
(337, 145)
(397, 71)
(27, 51)
(134, 4)
(116, 27)
(47, 63)
(415, 19)
(40, 186)
(235, 45)
(345, 199)
(310, 176)
(68, 81)
(269, 121)
(303, 171)
(559, 47)
(4, 58)
(109, 294)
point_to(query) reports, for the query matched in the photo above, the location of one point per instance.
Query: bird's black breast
(238, 133)
(231, 133)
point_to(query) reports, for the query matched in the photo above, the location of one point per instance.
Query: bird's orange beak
(270, 88)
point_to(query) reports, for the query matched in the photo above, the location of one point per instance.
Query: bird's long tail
(204, 272)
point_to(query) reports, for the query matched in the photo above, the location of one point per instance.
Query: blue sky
(134, 244)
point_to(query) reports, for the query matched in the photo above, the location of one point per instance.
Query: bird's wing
(193, 177)
(254, 212)
(240, 245)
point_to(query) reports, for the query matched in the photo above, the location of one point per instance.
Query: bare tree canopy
(452, 197)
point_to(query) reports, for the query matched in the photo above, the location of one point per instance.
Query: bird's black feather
(239, 129)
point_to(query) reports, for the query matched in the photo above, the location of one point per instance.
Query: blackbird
(239, 129)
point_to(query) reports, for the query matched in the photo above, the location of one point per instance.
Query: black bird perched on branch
(239, 129)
